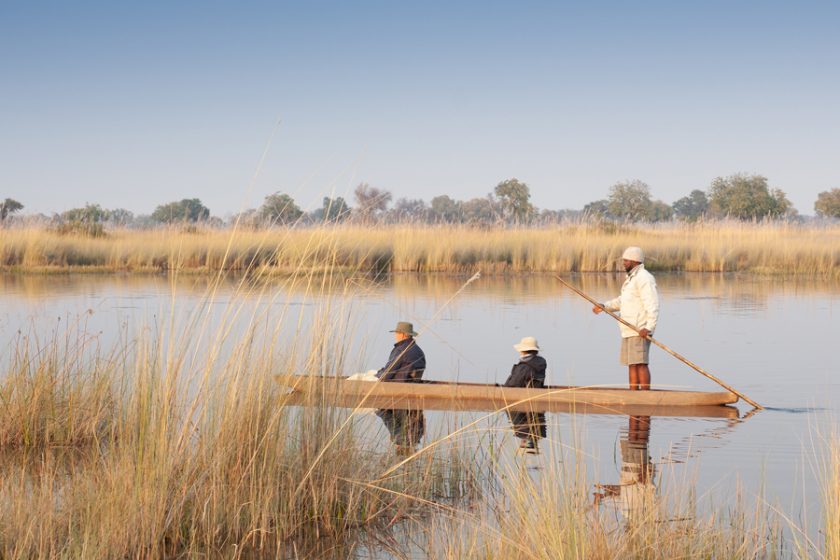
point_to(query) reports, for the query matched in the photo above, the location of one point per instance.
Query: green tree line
(739, 196)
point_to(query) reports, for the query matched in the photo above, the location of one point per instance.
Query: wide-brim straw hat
(405, 328)
(634, 254)
(527, 344)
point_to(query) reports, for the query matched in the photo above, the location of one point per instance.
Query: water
(771, 338)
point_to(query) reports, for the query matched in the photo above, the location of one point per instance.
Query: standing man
(638, 304)
(407, 361)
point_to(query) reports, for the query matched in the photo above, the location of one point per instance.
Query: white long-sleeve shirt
(638, 303)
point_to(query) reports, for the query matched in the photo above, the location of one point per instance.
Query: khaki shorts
(635, 350)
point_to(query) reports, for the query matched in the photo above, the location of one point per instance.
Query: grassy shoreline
(710, 247)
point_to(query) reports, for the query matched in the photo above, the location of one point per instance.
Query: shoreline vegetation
(716, 247)
(175, 441)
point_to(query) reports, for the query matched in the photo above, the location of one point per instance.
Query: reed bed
(706, 247)
(181, 445)
(553, 517)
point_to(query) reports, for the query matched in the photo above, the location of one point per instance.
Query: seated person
(407, 361)
(530, 371)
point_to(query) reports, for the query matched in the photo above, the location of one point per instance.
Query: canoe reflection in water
(529, 427)
(636, 491)
(405, 426)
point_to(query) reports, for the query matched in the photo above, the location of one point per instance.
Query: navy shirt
(407, 362)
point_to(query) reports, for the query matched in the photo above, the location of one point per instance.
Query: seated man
(530, 371)
(407, 361)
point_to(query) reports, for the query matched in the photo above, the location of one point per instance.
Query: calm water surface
(771, 338)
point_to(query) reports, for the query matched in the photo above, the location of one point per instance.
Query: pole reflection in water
(529, 427)
(406, 427)
(636, 490)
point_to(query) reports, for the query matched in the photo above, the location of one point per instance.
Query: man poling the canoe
(684, 360)
(638, 304)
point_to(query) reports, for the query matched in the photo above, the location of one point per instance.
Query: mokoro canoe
(299, 398)
(476, 396)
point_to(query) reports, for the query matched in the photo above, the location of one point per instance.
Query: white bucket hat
(527, 344)
(634, 254)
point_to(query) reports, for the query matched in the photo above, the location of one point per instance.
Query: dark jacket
(407, 362)
(529, 372)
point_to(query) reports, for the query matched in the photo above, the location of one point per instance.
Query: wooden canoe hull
(299, 398)
(474, 396)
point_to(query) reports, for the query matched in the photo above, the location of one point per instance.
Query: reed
(831, 497)
(174, 448)
(706, 247)
(553, 516)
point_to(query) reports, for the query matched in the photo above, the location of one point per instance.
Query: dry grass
(709, 247)
(172, 446)
(551, 515)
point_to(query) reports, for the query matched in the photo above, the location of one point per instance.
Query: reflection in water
(529, 427)
(739, 291)
(636, 490)
(406, 427)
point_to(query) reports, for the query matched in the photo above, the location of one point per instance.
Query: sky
(136, 104)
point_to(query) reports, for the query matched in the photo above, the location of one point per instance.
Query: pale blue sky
(132, 106)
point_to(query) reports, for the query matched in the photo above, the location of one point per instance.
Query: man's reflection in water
(529, 427)
(406, 428)
(636, 489)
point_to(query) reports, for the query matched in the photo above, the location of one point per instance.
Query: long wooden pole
(683, 359)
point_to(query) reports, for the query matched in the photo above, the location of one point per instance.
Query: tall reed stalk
(831, 497)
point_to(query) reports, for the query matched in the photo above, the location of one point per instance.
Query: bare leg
(634, 377)
(643, 375)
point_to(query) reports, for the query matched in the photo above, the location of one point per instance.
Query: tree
(660, 211)
(280, 208)
(443, 209)
(119, 217)
(410, 209)
(557, 216)
(248, 218)
(747, 197)
(692, 207)
(185, 210)
(630, 200)
(483, 211)
(514, 199)
(597, 209)
(9, 207)
(86, 220)
(370, 201)
(334, 210)
(827, 204)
